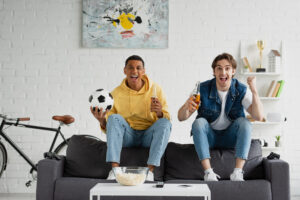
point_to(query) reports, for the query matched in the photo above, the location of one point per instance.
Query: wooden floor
(17, 196)
(32, 197)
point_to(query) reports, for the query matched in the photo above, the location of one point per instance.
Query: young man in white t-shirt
(221, 120)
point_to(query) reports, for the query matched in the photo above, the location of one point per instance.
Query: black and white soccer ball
(101, 98)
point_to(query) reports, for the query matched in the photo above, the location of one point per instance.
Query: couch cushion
(253, 168)
(70, 188)
(86, 157)
(235, 190)
(73, 188)
(182, 162)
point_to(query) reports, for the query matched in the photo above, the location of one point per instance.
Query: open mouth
(223, 79)
(127, 34)
(134, 77)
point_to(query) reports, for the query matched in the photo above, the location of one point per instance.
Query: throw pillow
(182, 162)
(86, 157)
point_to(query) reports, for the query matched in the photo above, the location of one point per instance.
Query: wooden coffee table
(149, 190)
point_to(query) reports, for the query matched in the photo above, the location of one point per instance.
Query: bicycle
(8, 122)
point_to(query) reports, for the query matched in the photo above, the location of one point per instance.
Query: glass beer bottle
(154, 95)
(196, 95)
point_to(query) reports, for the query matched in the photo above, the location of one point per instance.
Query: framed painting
(125, 23)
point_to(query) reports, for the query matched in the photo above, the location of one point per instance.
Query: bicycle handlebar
(14, 119)
(24, 119)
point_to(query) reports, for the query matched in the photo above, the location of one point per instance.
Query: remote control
(160, 184)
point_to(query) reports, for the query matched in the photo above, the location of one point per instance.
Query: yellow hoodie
(134, 106)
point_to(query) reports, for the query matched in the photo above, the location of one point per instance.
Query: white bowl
(130, 176)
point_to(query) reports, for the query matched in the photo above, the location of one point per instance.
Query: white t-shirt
(222, 122)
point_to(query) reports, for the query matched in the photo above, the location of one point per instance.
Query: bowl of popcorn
(130, 176)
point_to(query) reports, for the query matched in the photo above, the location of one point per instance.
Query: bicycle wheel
(61, 149)
(3, 158)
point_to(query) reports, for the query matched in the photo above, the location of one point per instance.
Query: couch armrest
(277, 172)
(48, 171)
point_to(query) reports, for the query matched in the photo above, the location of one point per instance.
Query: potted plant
(277, 142)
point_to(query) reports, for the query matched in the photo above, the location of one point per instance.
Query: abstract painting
(125, 23)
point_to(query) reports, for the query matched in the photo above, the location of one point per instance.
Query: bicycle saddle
(66, 119)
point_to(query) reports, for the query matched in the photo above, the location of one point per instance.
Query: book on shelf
(275, 88)
(271, 88)
(247, 64)
(275, 91)
(280, 88)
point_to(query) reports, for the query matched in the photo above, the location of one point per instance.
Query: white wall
(45, 71)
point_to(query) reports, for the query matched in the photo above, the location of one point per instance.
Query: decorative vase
(277, 143)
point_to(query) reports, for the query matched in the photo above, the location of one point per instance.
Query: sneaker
(237, 175)
(112, 172)
(211, 176)
(111, 175)
(150, 176)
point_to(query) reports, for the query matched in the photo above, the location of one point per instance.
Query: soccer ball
(101, 99)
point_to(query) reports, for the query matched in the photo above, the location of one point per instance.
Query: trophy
(260, 45)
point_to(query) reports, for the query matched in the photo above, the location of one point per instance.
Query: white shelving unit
(272, 148)
(260, 74)
(265, 130)
(265, 123)
(269, 98)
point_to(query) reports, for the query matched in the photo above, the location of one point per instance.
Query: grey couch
(71, 177)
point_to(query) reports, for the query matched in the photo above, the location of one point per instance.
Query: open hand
(99, 114)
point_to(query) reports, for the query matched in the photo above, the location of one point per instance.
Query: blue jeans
(237, 135)
(120, 134)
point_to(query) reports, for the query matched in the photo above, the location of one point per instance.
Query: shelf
(265, 123)
(260, 73)
(248, 49)
(269, 98)
(271, 148)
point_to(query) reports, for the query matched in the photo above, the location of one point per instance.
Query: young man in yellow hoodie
(139, 117)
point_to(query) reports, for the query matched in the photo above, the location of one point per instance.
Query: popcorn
(130, 179)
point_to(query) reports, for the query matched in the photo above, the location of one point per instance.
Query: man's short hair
(134, 57)
(225, 56)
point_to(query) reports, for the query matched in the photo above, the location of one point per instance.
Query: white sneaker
(237, 175)
(111, 175)
(150, 176)
(211, 176)
(112, 172)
